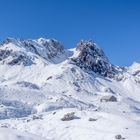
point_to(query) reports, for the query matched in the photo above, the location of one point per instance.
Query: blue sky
(113, 24)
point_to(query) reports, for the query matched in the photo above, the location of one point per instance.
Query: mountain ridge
(90, 56)
(38, 92)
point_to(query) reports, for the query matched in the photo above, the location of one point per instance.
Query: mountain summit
(93, 58)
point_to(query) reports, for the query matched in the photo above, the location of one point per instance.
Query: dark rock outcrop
(93, 58)
(11, 57)
(27, 84)
(69, 117)
(109, 98)
(24, 52)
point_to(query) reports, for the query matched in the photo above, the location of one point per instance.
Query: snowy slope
(40, 82)
(9, 134)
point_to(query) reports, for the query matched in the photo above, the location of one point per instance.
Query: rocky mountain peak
(90, 47)
(91, 57)
(29, 48)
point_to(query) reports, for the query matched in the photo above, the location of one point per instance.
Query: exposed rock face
(27, 84)
(93, 58)
(46, 48)
(15, 51)
(11, 57)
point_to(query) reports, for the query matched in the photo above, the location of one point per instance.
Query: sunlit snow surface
(34, 98)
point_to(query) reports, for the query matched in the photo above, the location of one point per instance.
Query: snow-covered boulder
(92, 119)
(119, 137)
(109, 98)
(69, 117)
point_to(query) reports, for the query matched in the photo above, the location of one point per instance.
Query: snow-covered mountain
(40, 82)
